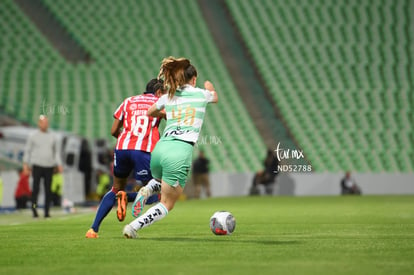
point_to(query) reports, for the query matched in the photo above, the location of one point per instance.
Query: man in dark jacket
(200, 175)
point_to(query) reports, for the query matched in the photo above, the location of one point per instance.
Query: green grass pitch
(274, 235)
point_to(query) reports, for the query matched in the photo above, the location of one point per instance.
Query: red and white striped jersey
(140, 132)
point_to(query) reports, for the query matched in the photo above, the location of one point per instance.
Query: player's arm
(118, 119)
(209, 86)
(116, 127)
(162, 114)
(157, 109)
(153, 111)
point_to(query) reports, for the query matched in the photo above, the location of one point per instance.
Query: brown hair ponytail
(176, 72)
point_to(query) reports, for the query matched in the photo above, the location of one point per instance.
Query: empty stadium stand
(127, 41)
(342, 74)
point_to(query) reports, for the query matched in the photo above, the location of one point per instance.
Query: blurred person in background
(41, 156)
(22, 194)
(57, 188)
(104, 183)
(85, 166)
(264, 180)
(1, 191)
(349, 186)
(201, 175)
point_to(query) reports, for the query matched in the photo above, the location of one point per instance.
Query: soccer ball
(222, 223)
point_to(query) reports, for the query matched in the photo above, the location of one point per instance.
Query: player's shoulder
(127, 99)
(144, 98)
(193, 91)
(152, 98)
(201, 92)
(162, 98)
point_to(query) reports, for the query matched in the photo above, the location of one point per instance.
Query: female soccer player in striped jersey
(185, 106)
(136, 133)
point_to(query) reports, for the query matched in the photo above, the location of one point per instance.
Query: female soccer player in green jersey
(185, 107)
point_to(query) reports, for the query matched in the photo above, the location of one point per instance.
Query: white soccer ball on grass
(222, 223)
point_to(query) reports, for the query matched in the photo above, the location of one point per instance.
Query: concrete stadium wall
(238, 184)
(313, 184)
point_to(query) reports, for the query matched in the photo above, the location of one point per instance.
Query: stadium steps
(53, 30)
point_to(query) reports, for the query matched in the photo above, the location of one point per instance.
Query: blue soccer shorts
(126, 161)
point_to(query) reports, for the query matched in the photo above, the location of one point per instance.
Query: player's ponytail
(176, 72)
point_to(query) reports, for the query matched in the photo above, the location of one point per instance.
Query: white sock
(155, 213)
(153, 186)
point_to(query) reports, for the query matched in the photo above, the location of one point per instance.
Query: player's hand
(208, 85)
(163, 114)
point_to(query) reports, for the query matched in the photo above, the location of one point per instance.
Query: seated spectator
(348, 185)
(264, 180)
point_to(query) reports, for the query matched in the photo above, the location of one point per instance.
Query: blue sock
(153, 198)
(104, 208)
(131, 196)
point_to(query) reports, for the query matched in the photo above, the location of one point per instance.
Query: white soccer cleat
(139, 202)
(129, 232)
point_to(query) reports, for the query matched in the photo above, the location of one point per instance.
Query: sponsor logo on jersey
(176, 132)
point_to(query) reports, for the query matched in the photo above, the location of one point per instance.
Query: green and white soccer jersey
(171, 158)
(185, 113)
